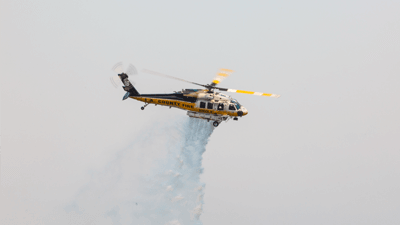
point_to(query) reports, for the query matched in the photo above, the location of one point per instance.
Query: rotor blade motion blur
(119, 69)
(131, 71)
(171, 77)
(249, 92)
(116, 81)
(221, 75)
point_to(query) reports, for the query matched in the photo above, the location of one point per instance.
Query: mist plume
(156, 180)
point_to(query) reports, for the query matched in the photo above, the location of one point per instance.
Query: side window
(209, 105)
(220, 106)
(232, 107)
(202, 105)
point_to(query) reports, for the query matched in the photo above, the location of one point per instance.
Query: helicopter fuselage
(197, 101)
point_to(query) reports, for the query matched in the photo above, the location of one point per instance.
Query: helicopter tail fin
(131, 90)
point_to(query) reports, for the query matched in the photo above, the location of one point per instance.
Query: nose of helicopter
(245, 112)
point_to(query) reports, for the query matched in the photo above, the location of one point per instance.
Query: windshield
(235, 102)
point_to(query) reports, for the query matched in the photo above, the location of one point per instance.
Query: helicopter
(205, 103)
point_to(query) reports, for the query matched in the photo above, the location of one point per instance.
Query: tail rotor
(119, 69)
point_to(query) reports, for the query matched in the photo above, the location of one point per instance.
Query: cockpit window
(234, 101)
(232, 107)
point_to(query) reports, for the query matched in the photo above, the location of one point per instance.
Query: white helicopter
(199, 103)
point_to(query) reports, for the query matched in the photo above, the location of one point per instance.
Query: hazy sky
(326, 152)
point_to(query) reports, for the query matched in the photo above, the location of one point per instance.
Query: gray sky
(326, 152)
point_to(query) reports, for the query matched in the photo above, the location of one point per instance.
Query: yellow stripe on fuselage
(168, 102)
(181, 105)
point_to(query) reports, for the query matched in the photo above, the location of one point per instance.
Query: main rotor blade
(248, 92)
(171, 77)
(221, 75)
